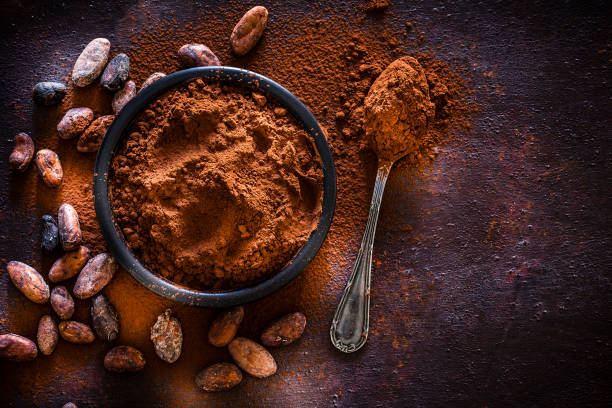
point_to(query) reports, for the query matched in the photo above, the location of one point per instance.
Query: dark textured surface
(500, 296)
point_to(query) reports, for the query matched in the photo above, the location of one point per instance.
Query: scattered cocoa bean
(70, 405)
(62, 303)
(47, 335)
(167, 337)
(252, 357)
(49, 167)
(48, 93)
(69, 265)
(124, 358)
(152, 78)
(22, 154)
(28, 281)
(219, 377)
(91, 62)
(104, 318)
(116, 73)
(49, 240)
(122, 97)
(197, 55)
(74, 122)
(249, 29)
(91, 139)
(14, 347)
(76, 332)
(69, 227)
(224, 327)
(284, 331)
(96, 274)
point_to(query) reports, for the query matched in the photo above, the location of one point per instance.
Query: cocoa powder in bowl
(215, 187)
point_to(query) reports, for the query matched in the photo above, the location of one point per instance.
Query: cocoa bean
(152, 78)
(249, 30)
(28, 281)
(91, 139)
(95, 275)
(74, 122)
(104, 318)
(124, 358)
(91, 62)
(69, 227)
(62, 303)
(69, 265)
(197, 55)
(70, 405)
(284, 331)
(167, 337)
(49, 167)
(219, 377)
(252, 357)
(122, 97)
(48, 93)
(14, 347)
(224, 327)
(76, 332)
(49, 240)
(116, 73)
(47, 335)
(22, 154)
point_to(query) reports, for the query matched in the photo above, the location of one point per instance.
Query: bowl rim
(114, 238)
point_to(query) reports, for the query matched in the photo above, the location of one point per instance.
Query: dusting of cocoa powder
(215, 186)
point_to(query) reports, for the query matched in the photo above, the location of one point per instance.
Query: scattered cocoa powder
(212, 189)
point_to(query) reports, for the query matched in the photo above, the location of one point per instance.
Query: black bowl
(114, 237)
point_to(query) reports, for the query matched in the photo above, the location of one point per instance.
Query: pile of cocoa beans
(93, 273)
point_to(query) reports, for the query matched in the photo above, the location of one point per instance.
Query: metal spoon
(349, 329)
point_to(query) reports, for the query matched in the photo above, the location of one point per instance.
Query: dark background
(505, 299)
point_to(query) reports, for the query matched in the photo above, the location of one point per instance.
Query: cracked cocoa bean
(122, 97)
(252, 357)
(48, 93)
(22, 154)
(74, 122)
(219, 377)
(76, 332)
(14, 347)
(284, 331)
(96, 274)
(69, 227)
(62, 303)
(47, 335)
(249, 30)
(167, 337)
(69, 265)
(28, 281)
(116, 73)
(224, 327)
(49, 167)
(91, 62)
(197, 55)
(91, 139)
(124, 358)
(49, 240)
(104, 318)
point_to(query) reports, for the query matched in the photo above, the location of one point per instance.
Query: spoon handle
(349, 328)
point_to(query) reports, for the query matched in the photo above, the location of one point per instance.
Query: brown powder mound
(215, 187)
(398, 109)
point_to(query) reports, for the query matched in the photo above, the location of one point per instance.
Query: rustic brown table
(505, 299)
